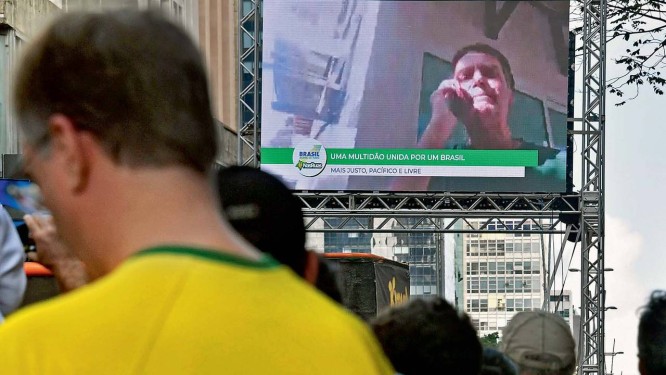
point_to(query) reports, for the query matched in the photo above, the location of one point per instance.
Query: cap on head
(265, 212)
(497, 363)
(539, 340)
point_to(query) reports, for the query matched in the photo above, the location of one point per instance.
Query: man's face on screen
(481, 75)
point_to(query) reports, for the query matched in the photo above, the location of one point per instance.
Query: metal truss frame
(249, 58)
(349, 212)
(542, 212)
(593, 291)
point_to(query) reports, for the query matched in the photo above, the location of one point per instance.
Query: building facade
(218, 40)
(561, 304)
(19, 20)
(501, 274)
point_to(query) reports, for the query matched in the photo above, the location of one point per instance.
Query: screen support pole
(592, 208)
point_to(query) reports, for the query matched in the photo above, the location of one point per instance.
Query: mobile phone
(23, 195)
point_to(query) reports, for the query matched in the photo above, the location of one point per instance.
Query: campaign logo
(309, 157)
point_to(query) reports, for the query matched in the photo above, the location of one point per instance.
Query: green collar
(266, 260)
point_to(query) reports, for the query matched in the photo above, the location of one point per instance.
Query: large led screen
(415, 96)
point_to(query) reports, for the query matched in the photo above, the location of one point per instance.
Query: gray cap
(539, 340)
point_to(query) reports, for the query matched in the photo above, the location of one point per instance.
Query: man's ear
(68, 150)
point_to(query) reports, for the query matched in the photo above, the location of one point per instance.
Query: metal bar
(551, 280)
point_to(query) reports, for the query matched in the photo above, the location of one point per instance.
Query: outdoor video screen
(415, 96)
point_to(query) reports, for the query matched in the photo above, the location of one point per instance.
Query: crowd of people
(163, 271)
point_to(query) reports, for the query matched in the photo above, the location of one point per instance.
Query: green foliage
(639, 27)
(491, 340)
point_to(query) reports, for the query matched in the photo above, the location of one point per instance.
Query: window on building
(535, 284)
(492, 284)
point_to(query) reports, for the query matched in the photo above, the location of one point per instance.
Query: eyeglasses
(20, 170)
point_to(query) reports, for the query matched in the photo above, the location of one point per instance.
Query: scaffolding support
(592, 188)
(249, 82)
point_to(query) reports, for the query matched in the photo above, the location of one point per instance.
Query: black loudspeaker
(12, 167)
(358, 287)
(370, 283)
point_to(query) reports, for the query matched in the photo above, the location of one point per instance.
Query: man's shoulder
(94, 303)
(216, 301)
(71, 310)
(46, 328)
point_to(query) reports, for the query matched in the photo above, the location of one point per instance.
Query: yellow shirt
(178, 310)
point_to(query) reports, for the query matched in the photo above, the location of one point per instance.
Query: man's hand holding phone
(449, 103)
(68, 270)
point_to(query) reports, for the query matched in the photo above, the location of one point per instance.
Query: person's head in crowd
(110, 92)
(497, 363)
(652, 336)
(326, 278)
(540, 343)
(265, 212)
(160, 114)
(428, 336)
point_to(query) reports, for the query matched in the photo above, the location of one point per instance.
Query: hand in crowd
(51, 252)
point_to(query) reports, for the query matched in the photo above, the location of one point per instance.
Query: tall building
(501, 274)
(19, 20)
(560, 303)
(218, 21)
(213, 24)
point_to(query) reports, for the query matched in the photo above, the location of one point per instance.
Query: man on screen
(479, 95)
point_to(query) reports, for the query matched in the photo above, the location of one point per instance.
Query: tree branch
(639, 14)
